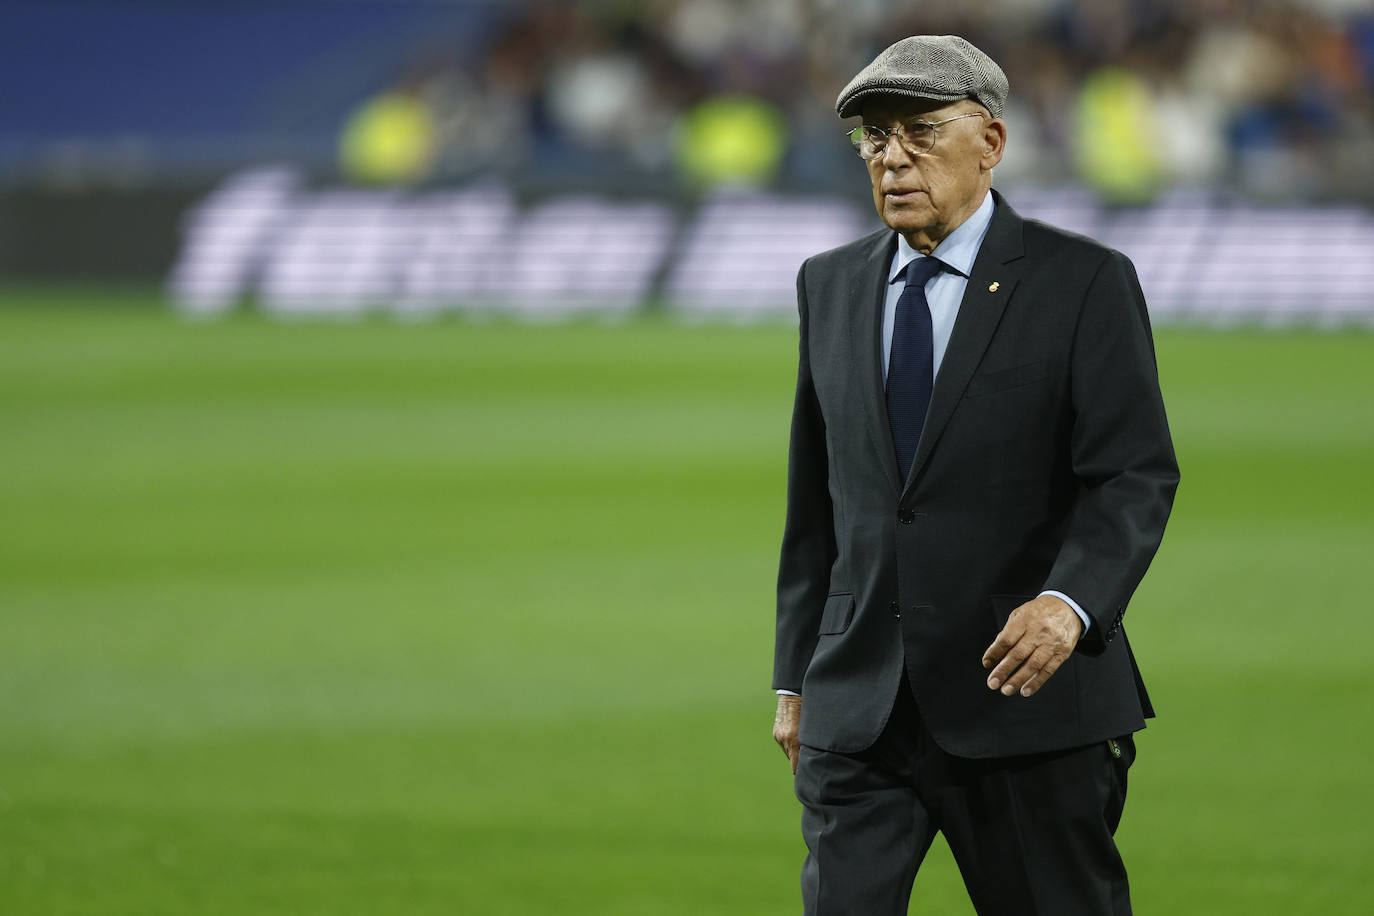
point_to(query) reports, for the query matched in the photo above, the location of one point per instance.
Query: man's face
(929, 195)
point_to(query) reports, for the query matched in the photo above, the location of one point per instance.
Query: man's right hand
(786, 725)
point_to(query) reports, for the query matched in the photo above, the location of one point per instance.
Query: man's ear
(994, 143)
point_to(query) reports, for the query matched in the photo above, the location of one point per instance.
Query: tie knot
(919, 271)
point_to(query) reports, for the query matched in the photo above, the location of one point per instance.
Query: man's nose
(895, 155)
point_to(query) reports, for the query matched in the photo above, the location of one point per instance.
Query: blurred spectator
(1118, 135)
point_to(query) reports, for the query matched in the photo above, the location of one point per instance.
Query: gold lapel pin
(993, 287)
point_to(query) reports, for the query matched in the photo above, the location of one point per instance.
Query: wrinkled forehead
(886, 110)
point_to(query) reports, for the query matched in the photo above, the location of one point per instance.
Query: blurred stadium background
(464, 604)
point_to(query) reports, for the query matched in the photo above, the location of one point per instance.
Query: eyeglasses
(916, 137)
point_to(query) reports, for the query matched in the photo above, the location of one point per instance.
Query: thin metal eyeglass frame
(900, 131)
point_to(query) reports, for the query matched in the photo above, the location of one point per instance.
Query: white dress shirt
(944, 292)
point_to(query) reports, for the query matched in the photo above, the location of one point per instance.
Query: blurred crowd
(1274, 99)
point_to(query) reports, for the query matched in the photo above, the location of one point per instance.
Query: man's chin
(906, 218)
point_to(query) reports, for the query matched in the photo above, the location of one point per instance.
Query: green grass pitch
(476, 618)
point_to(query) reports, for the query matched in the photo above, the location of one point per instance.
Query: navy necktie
(910, 365)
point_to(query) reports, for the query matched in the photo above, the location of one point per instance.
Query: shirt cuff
(788, 693)
(1082, 614)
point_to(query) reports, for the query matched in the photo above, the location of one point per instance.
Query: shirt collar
(958, 249)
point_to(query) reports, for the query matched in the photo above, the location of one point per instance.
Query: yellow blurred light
(733, 139)
(389, 140)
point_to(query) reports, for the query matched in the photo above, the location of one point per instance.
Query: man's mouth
(898, 197)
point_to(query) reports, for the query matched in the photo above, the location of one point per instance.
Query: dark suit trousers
(1031, 834)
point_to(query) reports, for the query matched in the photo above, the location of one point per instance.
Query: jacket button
(895, 608)
(906, 516)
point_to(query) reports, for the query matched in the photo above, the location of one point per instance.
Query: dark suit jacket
(1045, 463)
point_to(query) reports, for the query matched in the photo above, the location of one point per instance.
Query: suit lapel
(979, 313)
(867, 291)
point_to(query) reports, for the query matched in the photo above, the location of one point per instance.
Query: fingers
(1037, 680)
(790, 744)
(787, 727)
(1008, 651)
(1041, 663)
(1010, 635)
(1010, 663)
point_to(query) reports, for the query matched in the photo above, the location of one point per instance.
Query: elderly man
(979, 474)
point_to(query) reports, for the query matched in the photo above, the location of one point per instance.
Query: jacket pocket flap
(1002, 379)
(839, 610)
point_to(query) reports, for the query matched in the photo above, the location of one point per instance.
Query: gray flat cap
(940, 67)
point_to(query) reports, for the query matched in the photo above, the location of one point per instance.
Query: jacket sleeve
(808, 540)
(1121, 453)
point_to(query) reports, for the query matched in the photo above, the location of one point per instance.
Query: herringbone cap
(940, 67)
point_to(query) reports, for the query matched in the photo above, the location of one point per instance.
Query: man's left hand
(1037, 639)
